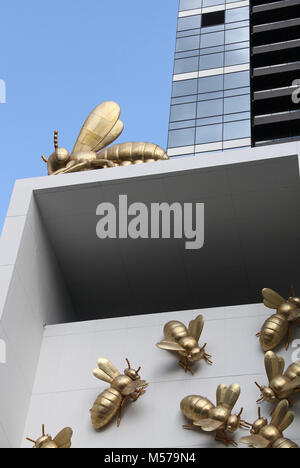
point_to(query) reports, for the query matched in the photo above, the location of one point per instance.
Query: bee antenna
(44, 158)
(129, 366)
(55, 139)
(31, 440)
(259, 386)
(138, 369)
(259, 413)
(43, 430)
(293, 290)
(240, 413)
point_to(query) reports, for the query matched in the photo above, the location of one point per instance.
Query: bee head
(294, 299)
(195, 354)
(62, 154)
(132, 373)
(259, 423)
(44, 439)
(267, 394)
(234, 422)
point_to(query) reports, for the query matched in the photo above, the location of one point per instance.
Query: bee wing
(287, 421)
(97, 127)
(136, 384)
(255, 441)
(274, 365)
(208, 425)
(111, 136)
(231, 395)
(63, 438)
(272, 299)
(292, 386)
(280, 413)
(196, 327)
(106, 370)
(169, 345)
(221, 392)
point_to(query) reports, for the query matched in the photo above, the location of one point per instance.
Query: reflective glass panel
(211, 61)
(189, 22)
(237, 14)
(237, 80)
(239, 129)
(236, 35)
(210, 83)
(236, 57)
(186, 65)
(209, 134)
(183, 112)
(184, 87)
(189, 4)
(211, 40)
(237, 104)
(184, 137)
(187, 43)
(210, 108)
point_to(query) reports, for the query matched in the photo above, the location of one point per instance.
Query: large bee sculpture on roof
(101, 128)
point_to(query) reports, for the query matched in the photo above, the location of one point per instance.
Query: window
(189, 4)
(184, 137)
(210, 108)
(184, 87)
(234, 130)
(214, 18)
(211, 83)
(237, 57)
(237, 104)
(237, 35)
(211, 61)
(209, 134)
(187, 43)
(210, 40)
(237, 80)
(237, 14)
(183, 112)
(189, 22)
(183, 124)
(186, 65)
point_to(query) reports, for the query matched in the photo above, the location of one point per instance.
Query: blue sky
(59, 59)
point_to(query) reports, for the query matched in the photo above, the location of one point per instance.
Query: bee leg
(186, 366)
(121, 411)
(220, 439)
(228, 441)
(289, 337)
(207, 358)
(137, 395)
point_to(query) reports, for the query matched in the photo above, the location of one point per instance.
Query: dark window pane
(209, 134)
(186, 65)
(211, 83)
(184, 87)
(184, 137)
(189, 22)
(183, 112)
(214, 18)
(210, 108)
(237, 80)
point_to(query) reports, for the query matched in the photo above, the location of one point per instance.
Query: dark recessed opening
(213, 19)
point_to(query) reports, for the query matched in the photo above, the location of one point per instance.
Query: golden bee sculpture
(279, 325)
(62, 440)
(112, 400)
(101, 128)
(217, 419)
(281, 386)
(264, 435)
(185, 342)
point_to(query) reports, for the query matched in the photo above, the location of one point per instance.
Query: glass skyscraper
(210, 107)
(223, 96)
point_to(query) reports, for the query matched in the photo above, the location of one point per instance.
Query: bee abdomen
(284, 443)
(174, 330)
(293, 372)
(273, 331)
(195, 407)
(133, 153)
(105, 407)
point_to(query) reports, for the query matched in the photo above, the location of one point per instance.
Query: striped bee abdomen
(105, 407)
(133, 153)
(284, 443)
(273, 332)
(195, 407)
